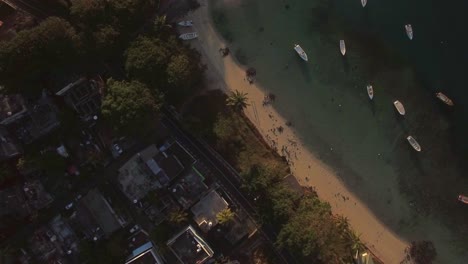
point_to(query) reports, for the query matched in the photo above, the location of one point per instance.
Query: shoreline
(227, 74)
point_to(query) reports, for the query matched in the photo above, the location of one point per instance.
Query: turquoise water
(365, 141)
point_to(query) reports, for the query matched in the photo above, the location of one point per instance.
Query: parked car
(118, 149)
(78, 197)
(134, 229)
(68, 206)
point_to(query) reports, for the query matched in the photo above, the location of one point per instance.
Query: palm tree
(177, 217)
(225, 216)
(237, 100)
(160, 23)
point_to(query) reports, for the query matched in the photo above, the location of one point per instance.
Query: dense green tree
(177, 217)
(160, 26)
(225, 216)
(130, 107)
(33, 53)
(237, 100)
(314, 234)
(146, 60)
(182, 73)
(5, 172)
(88, 14)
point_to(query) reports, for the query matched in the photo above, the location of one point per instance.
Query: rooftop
(101, 211)
(207, 208)
(135, 177)
(188, 189)
(143, 250)
(10, 105)
(189, 247)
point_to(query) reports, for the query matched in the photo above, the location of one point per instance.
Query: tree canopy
(33, 53)
(225, 216)
(130, 107)
(237, 100)
(316, 235)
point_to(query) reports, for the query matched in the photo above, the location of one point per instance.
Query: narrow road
(227, 175)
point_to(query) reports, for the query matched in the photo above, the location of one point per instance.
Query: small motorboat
(414, 143)
(463, 198)
(342, 47)
(301, 52)
(409, 31)
(364, 3)
(188, 36)
(399, 107)
(187, 23)
(444, 98)
(370, 91)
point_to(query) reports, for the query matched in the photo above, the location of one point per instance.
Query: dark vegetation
(306, 225)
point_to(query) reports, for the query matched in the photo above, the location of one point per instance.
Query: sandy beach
(225, 73)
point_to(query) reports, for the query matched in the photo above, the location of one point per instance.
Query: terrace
(207, 208)
(189, 247)
(189, 188)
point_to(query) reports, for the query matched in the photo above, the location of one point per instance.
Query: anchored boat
(414, 143)
(370, 91)
(399, 107)
(409, 31)
(301, 52)
(342, 47)
(463, 199)
(444, 98)
(188, 36)
(364, 3)
(187, 23)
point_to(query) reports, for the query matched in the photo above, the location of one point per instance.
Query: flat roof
(188, 189)
(101, 211)
(189, 247)
(207, 208)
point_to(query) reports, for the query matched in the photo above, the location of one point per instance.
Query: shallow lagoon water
(363, 140)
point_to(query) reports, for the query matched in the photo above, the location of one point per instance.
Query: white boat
(463, 198)
(444, 98)
(414, 143)
(409, 31)
(342, 47)
(370, 91)
(364, 3)
(399, 107)
(188, 36)
(301, 52)
(187, 23)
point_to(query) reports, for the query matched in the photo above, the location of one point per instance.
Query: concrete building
(189, 247)
(207, 208)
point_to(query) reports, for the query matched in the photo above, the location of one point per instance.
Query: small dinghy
(188, 36)
(301, 52)
(409, 31)
(444, 98)
(342, 47)
(463, 199)
(187, 23)
(370, 91)
(364, 3)
(414, 143)
(399, 107)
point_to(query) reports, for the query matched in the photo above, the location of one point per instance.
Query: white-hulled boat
(409, 31)
(463, 198)
(364, 3)
(370, 91)
(444, 98)
(342, 47)
(188, 36)
(301, 52)
(399, 107)
(187, 23)
(414, 143)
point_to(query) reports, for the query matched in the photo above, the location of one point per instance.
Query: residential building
(153, 168)
(189, 247)
(28, 122)
(83, 95)
(37, 197)
(94, 216)
(8, 146)
(207, 208)
(143, 250)
(188, 189)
